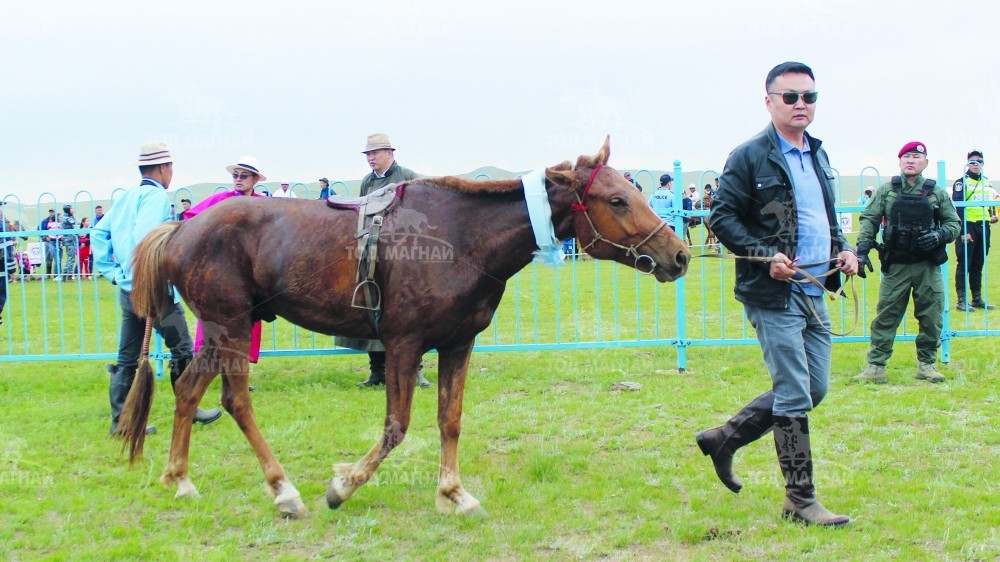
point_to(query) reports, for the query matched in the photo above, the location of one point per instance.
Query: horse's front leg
(401, 364)
(453, 365)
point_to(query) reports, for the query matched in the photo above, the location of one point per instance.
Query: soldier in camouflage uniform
(920, 221)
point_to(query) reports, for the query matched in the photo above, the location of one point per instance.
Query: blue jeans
(796, 351)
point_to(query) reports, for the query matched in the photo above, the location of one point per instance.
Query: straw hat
(248, 163)
(154, 153)
(377, 141)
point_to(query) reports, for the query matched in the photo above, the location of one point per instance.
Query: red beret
(913, 146)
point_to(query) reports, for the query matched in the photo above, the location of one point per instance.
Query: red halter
(581, 206)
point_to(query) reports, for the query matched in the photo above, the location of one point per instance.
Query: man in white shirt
(284, 191)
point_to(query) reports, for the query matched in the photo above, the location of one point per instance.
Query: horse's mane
(481, 187)
(473, 187)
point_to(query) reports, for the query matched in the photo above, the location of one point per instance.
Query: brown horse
(248, 259)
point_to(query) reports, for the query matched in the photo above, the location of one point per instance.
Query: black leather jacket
(754, 214)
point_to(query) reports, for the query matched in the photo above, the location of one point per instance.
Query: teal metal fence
(585, 304)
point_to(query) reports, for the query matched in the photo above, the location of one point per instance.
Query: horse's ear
(601, 158)
(562, 174)
(604, 153)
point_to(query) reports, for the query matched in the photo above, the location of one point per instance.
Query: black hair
(188, 201)
(144, 171)
(787, 68)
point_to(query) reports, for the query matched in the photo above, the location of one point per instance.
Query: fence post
(946, 321)
(680, 285)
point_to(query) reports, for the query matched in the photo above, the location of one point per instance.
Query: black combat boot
(747, 426)
(177, 368)
(791, 442)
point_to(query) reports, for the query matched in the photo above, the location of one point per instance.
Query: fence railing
(585, 304)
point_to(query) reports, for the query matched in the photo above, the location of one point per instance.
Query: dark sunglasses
(241, 176)
(791, 98)
(975, 161)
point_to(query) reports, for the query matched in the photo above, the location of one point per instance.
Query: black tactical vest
(911, 217)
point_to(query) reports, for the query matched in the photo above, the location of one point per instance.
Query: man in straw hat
(113, 240)
(385, 170)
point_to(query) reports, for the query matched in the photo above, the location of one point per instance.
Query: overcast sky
(458, 85)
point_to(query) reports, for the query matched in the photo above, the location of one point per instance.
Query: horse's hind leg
(453, 365)
(402, 362)
(187, 395)
(236, 401)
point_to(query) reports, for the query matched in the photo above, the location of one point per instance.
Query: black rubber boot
(747, 426)
(791, 442)
(121, 383)
(978, 302)
(177, 368)
(376, 363)
(962, 305)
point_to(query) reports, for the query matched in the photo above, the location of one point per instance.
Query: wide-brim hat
(378, 141)
(153, 154)
(248, 163)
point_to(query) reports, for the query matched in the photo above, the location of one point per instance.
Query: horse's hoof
(292, 508)
(473, 510)
(185, 489)
(334, 497)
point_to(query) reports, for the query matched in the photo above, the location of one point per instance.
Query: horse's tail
(150, 289)
(134, 415)
(149, 294)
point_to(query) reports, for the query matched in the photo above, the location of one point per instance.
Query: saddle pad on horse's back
(374, 203)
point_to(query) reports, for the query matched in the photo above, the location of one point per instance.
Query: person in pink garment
(246, 174)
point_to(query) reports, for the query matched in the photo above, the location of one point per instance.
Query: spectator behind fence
(55, 245)
(385, 170)
(918, 221)
(246, 175)
(662, 200)
(778, 202)
(628, 178)
(98, 215)
(84, 252)
(113, 241)
(973, 243)
(325, 189)
(284, 191)
(185, 207)
(50, 245)
(69, 242)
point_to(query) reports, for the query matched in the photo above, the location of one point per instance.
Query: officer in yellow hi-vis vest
(920, 221)
(973, 244)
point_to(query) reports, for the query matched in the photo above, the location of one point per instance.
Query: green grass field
(566, 468)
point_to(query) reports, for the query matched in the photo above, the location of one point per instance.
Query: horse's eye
(618, 202)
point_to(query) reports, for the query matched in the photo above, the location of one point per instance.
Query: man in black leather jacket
(776, 202)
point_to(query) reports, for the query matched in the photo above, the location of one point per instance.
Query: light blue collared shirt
(113, 240)
(813, 244)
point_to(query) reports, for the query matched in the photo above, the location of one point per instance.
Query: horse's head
(611, 219)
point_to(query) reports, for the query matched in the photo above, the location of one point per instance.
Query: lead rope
(809, 278)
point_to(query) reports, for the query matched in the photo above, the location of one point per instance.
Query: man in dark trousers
(917, 221)
(973, 244)
(113, 240)
(775, 205)
(385, 170)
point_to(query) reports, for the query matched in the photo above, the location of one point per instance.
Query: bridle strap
(632, 250)
(580, 206)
